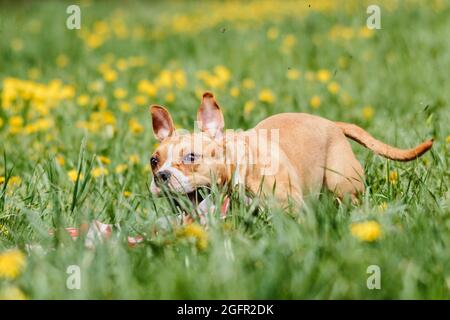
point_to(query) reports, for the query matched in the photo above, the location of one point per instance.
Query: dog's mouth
(195, 197)
(198, 195)
(186, 201)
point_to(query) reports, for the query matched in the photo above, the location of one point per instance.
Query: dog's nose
(163, 175)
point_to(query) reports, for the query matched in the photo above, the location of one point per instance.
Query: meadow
(76, 138)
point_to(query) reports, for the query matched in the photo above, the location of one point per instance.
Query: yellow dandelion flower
(368, 231)
(1, 122)
(83, 100)
(125, 107)
(212, 81)
(60, 160)
(122, 64)
(323, 75)
(16, 121)
(199, 92)
(15, 181)
(12, 293)
(99, 172)
(249, 106)
(289, 41)
(170, 97)
(179, 76)
(202, 74)
(62, 60)
(102, 118)
(121, 168)
(234, 92)
(120, 93)
(197, 233)
(2, 179)
(368, 112)
(101, 103)
(96, 86)
(448, 139)
(383, 206)
(293, 74)
(134, 159)
(94, 41)
(341, 32)
(365, 32)
(227, 226)
(73, 174)
(145, 86)
(101, 27)
(164, 79)
(12, 263)
(248, 83)
(393, 177)
(104, 160)
(141, 100)
(333, 87)
(267, 96)
(127, 194)
(67, 92)
(315, 101)
(272, 33)
(222, 72)
(135, 126)
(147, 168)
(39, 125)
(110, 75)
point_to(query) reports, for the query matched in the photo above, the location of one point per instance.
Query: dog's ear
(162, 122)
(209, 116)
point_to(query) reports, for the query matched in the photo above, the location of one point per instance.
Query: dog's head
(184, 162)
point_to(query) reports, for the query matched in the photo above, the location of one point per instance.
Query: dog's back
(305, 139)
(319, 150)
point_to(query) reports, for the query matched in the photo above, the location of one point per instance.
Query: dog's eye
(153, 161)
(190, 158)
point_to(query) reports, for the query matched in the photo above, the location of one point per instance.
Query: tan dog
(288, 155)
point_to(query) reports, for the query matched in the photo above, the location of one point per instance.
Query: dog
(288, 155)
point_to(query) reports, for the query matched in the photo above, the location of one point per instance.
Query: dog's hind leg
(343, 173)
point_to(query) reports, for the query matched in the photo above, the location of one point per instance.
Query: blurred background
(259, 57)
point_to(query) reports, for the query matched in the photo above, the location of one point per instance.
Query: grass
(393, 82)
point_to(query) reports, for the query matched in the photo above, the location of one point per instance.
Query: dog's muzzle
(163, 176)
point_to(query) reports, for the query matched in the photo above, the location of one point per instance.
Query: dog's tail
(364, 138)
